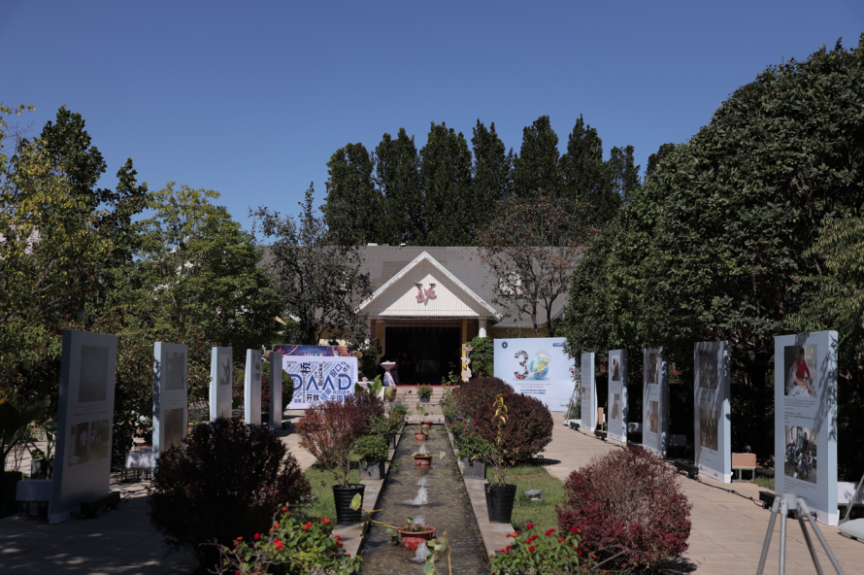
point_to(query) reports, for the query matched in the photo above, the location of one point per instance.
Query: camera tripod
(783, 504)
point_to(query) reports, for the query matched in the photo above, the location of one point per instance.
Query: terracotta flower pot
(412, 539)
(426, 425)
(420, 436)
(423, 460)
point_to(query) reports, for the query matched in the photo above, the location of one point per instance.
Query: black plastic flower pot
(371, 469)
(425, 399)
(343, 497)
(499, 502)
(391, 442)
(8, 492)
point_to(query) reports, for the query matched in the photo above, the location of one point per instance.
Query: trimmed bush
(528, 429)
(370, 406)
(473, 394)
(226, 482)
(627, 501)
(330, 430)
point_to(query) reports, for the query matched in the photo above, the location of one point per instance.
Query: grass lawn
(764, 481)
(526, 511)
(321, 483)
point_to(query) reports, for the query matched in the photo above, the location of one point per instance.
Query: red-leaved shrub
(226, 482)
(330, 430)
(627, 502)
(475, 393)
(528, 429)
(370, 406)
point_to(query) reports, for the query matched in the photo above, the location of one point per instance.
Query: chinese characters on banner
(318, 378)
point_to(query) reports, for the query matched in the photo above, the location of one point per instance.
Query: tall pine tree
(493, 178)
(399, 181)
(446, 178)
(354, 209)
(624, 173)
(586, 176)
(536, 167)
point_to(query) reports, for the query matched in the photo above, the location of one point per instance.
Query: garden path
(727, 529)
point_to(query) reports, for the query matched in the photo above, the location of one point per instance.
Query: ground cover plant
(630, 501)
(527, 431)
(226, 482)
(537, 551)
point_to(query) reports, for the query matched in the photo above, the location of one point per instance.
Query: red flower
(531, 548)
(550, 532)
(325, 521)
(339, 544)
(509, 549)
(239, 539)
(561, 540)
(514, 534)
(529, 526)
(349, 556)
(574, 530)
(336, 536)
(307, 526)
(257, 536)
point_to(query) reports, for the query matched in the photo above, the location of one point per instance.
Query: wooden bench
(742, 462)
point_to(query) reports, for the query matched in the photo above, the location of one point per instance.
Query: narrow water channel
(445, 507)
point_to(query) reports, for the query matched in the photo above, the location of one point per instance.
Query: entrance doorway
(428, 353)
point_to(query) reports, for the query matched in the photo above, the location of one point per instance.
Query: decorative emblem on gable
(424, 295)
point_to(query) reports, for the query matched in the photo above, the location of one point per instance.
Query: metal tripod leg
(809, 544)
(784, 512)
(802, 508)
(774, 508)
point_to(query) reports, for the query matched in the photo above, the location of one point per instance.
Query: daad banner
(538, 367)
(319, 378)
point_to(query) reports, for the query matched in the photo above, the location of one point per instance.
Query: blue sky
(251, 99)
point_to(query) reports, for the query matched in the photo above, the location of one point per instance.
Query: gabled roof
(425, 256)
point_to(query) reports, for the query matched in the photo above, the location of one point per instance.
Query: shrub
(370, 407)
(472, 446)
(424, 391)
(226, 482)
(400, 409)
(293, 548)
(329, 432)
(528, 429)
(472, 395)
(629, 500)
(544, 553)
(482, 356)
(371, 448)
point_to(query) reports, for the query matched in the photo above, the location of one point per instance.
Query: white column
(481, 331)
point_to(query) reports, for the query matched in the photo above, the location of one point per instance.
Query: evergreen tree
(624, 173)
(654, 159)
(354, 209)
(536, 167)
(493, 178)
(445, 174)
(586, 176)
(399, 180)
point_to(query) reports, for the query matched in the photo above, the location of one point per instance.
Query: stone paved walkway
(727, 529)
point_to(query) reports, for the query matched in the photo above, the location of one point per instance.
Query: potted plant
(421, 435)
(422, 458)
(424, 392)
(472, 451)
(500, 495)
(13, 432)
(329, 433)
(390, 393)
(372, 450)
(399, 409)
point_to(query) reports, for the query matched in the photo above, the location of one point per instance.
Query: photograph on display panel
(174, 370)
(79, 436)
(709, 375)
(94, 371)
(99, 435)
(616, 407)
(799, 370)
(615, 368)
(654, 416)
(225, 370)
(709, 426)
(801, 451)
(653, 368)
(173, 428)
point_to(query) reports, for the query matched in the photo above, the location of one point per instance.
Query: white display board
(220, 382)
(713, 438)
(252, 387)
(589, 393)
(538, 367)
(805, 420)
(618, 395)
(170, 396)
(655, 402)
(85, 422)
(319, 378)
(276, 405)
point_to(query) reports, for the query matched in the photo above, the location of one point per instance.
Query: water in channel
(438, 495)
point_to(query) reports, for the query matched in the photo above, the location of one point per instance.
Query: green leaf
(356, 502)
